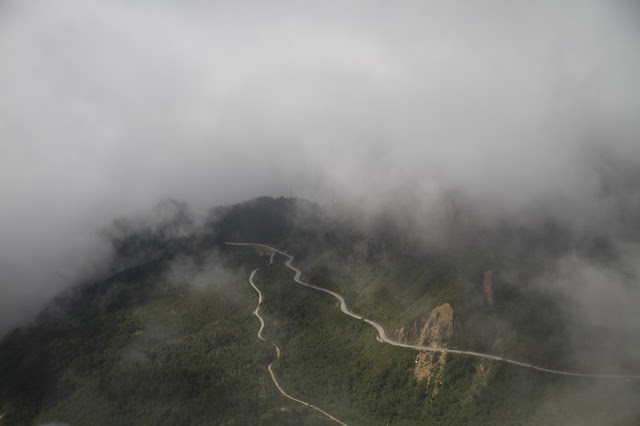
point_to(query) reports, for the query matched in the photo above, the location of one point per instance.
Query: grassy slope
(139, 362)
(184, 356)
(191, 356)
(335, 362)
(392, 294)
(395, 292)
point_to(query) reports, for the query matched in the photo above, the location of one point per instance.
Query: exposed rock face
(430, 369)
(409, 333)
(487, 288)
(439, 327)
(436, 331)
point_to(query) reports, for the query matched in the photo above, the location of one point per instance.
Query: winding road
(383, 336)
(269, 367)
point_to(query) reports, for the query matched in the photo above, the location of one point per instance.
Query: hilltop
(167, 336)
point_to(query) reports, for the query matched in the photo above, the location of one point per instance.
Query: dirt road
(256, 312)
(383, 336)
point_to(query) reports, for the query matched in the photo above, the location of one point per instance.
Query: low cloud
(109, 106)
(602, 302)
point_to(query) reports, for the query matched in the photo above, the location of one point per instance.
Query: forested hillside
(168, 337)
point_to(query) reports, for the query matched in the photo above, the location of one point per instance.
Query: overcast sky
(107, 107)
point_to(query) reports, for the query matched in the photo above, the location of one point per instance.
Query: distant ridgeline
(145, 345)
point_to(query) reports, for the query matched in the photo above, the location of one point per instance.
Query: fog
(107, 107)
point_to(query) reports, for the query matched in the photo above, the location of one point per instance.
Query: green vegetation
(171, 339)
(335, 362)
(395, 292)
(182, 356)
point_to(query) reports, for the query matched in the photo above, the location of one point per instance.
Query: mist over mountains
(498, 129)
(582, 285)
(124, 340)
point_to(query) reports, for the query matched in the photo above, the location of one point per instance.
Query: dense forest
(168, 337)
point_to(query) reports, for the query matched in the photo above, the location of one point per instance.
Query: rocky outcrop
(409, 333)
(438, 329)
(435, 331)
